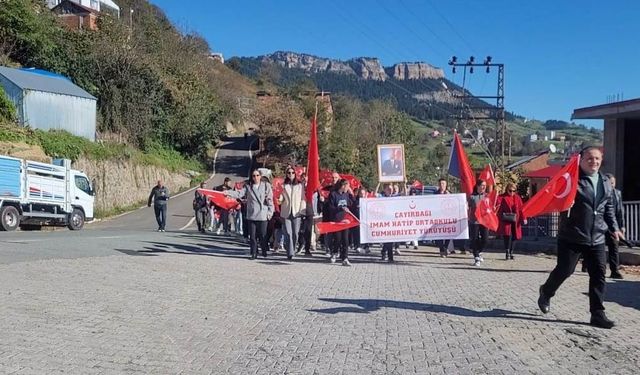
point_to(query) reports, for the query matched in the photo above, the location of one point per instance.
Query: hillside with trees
(148, 95)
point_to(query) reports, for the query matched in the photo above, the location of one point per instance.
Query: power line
(450, 26)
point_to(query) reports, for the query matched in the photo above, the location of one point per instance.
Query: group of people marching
(594, 220)
(289, 221)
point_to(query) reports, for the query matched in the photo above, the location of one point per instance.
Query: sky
(558, 55)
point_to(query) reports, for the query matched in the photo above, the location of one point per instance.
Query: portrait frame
(394, 154)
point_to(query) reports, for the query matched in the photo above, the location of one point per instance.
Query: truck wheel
(76, 219)
(9, 218)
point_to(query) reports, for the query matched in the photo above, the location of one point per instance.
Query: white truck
(33, 194)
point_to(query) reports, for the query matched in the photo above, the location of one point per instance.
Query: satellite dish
(552, 148)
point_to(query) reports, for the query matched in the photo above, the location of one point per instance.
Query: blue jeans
(161, 215)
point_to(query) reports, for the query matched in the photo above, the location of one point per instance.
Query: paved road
(131, 300)
(108, 237)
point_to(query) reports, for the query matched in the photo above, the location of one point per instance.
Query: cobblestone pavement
(191, 304)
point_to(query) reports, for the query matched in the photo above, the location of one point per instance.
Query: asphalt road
(134, 230)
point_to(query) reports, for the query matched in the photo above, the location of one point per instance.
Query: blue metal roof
(41, 80)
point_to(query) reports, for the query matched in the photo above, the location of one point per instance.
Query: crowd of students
(288, 222)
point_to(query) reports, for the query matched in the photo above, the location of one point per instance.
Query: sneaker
(161, 230)
(616, 275)
(359, 250)
(367, 251)
(477, 261)
(415, 247)
(397, 252)
(346, 263)
(219, 231)
(333, 259)
(209, 229)
(452, 252)
(481, 259)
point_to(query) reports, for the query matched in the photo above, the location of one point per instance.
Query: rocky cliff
(416, 70)
(120, 183)
(363, 67)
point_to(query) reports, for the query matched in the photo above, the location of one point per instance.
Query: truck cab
(33, 194)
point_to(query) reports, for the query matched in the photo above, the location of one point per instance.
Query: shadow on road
(624, 292)
(365, 306)
(472, 267)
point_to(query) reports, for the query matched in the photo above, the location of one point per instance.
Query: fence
(632, 219)
(541, 226)
(547, 225)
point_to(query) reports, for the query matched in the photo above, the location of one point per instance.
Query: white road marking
(188, 224)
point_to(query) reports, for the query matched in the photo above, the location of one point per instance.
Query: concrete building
(621, 152)
(621, 134)
(76, 16)
(107, 6)
(47, 101)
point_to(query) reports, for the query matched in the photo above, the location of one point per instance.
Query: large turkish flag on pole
(313, 161)
(459, 166)
(558, 194)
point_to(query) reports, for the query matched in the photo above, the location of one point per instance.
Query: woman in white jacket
(292, 209)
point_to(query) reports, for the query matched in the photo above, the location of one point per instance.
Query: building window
(95, 4)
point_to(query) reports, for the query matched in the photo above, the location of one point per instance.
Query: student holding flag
(340, 200)
(260, 208)
(587, 195)
(478, 233)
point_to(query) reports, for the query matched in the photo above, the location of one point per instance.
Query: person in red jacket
(511, 219)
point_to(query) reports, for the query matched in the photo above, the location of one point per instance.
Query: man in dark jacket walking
(582, 231)
(159, 195)
(612, 244)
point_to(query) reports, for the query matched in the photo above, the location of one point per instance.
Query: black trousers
(224, 219)
(510, 240)
(258, 232)
(161, 215)
(443, 245)
(478, 236)
(568, 256)
(387, 248)
(201, 217)
(340, 243)
(614, 255)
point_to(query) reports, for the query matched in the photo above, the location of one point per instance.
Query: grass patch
(62, 144)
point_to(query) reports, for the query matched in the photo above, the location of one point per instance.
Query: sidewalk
(197, 305)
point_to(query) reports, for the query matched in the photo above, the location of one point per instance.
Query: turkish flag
(459, 166)
(486, 213)
(219, 199)
(558, 194)
(349, 221)
(278, 186)
(487, 176)
(313, 163)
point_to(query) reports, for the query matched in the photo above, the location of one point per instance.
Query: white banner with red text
(414, 217)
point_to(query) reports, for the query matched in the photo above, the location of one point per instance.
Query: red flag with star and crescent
(558, 194)
(486, 213)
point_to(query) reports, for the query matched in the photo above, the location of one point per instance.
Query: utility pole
(496, 113)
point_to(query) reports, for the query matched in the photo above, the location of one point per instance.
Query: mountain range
(417, 88)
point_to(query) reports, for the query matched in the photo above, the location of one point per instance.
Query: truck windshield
(83, 184)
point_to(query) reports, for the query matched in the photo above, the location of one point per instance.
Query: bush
(7, 109)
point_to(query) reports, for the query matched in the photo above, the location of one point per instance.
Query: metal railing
(547, 225)
(632, 220)
(541, 226)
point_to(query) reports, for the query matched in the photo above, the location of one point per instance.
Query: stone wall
(120, 183)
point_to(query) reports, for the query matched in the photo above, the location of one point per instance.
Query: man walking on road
(200, 207)
(159, 195)
(613, 244)
(582, 231)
